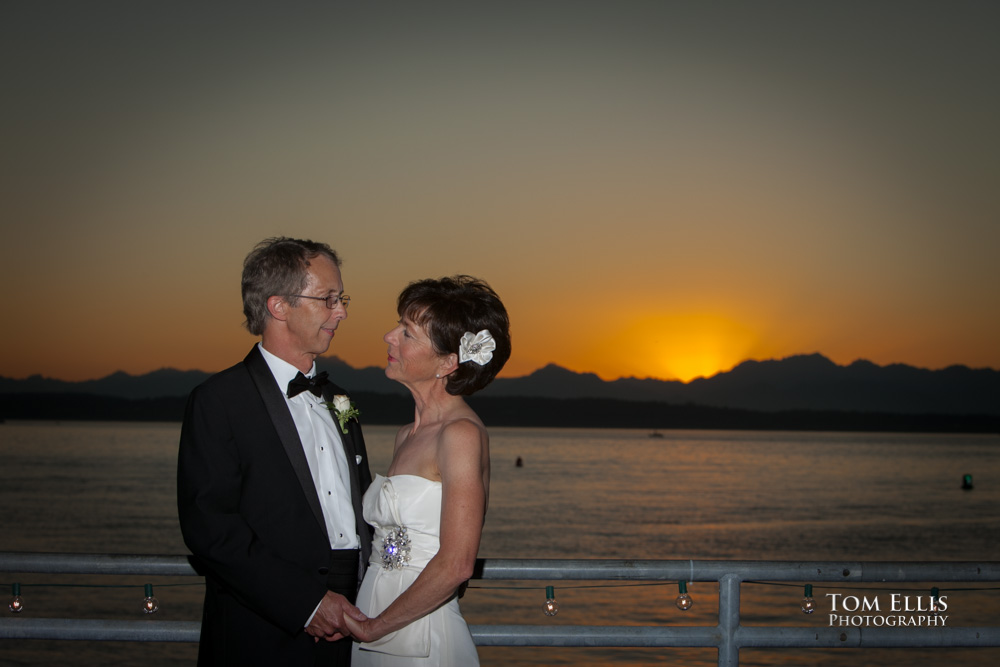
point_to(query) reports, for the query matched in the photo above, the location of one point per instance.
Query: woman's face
(412, 357)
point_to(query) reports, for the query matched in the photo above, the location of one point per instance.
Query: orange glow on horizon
(681, 347)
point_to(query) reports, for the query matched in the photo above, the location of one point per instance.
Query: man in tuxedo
(269, 485)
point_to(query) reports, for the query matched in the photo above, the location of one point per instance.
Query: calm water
(109, 488)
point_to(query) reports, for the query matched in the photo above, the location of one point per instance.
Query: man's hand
(328, 622)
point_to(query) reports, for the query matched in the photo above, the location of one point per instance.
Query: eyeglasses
(331, 301)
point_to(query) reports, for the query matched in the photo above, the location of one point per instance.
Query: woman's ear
(276, 306)
(448, 365)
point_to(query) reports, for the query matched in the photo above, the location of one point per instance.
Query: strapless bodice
(407, 502)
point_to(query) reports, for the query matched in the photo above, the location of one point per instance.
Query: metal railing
(728, 636)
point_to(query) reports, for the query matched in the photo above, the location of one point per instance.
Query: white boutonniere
(343, 409)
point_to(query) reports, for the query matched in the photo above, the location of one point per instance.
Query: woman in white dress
(452, 338)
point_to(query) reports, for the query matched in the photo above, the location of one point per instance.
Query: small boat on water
(655, 434)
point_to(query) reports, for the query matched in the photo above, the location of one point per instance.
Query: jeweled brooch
(395, 549)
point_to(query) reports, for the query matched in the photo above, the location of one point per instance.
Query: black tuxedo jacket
(250, 514)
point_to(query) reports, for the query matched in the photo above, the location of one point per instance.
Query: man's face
(311, 325)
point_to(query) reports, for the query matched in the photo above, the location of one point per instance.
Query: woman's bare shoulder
(464, 438)
(466, 428)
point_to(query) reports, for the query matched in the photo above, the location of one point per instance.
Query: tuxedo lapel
(277, 410)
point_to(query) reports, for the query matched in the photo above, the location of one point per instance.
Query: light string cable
(672, 582)
(139, 586)
(885, 589)
(150, 604)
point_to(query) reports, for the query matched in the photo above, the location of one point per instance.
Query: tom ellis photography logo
(895, 610)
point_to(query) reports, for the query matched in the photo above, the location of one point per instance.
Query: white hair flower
(478, 348)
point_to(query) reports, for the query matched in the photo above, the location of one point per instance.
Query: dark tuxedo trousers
(250, 514)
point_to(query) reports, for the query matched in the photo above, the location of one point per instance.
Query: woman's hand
(365, 631)
(328, 620)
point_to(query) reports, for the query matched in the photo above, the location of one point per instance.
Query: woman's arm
(463, 505)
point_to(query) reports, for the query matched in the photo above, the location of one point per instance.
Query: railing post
(729, 619)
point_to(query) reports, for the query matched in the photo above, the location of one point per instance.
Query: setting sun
(680, 346)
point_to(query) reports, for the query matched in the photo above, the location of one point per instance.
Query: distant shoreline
(392, 409)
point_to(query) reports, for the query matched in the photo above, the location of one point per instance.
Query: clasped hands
(329, 621)
(366, 629)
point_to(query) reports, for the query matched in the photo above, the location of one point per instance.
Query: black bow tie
(301, 383)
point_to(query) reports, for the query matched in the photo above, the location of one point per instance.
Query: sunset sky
(656, 189)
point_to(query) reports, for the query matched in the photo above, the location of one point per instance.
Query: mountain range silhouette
(803, 383)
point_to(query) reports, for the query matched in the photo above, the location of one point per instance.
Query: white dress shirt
(324, 452)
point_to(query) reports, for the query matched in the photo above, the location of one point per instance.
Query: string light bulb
(808, 603)
(684, 600)
(16, 605)
(551, 606)
(150, 605)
